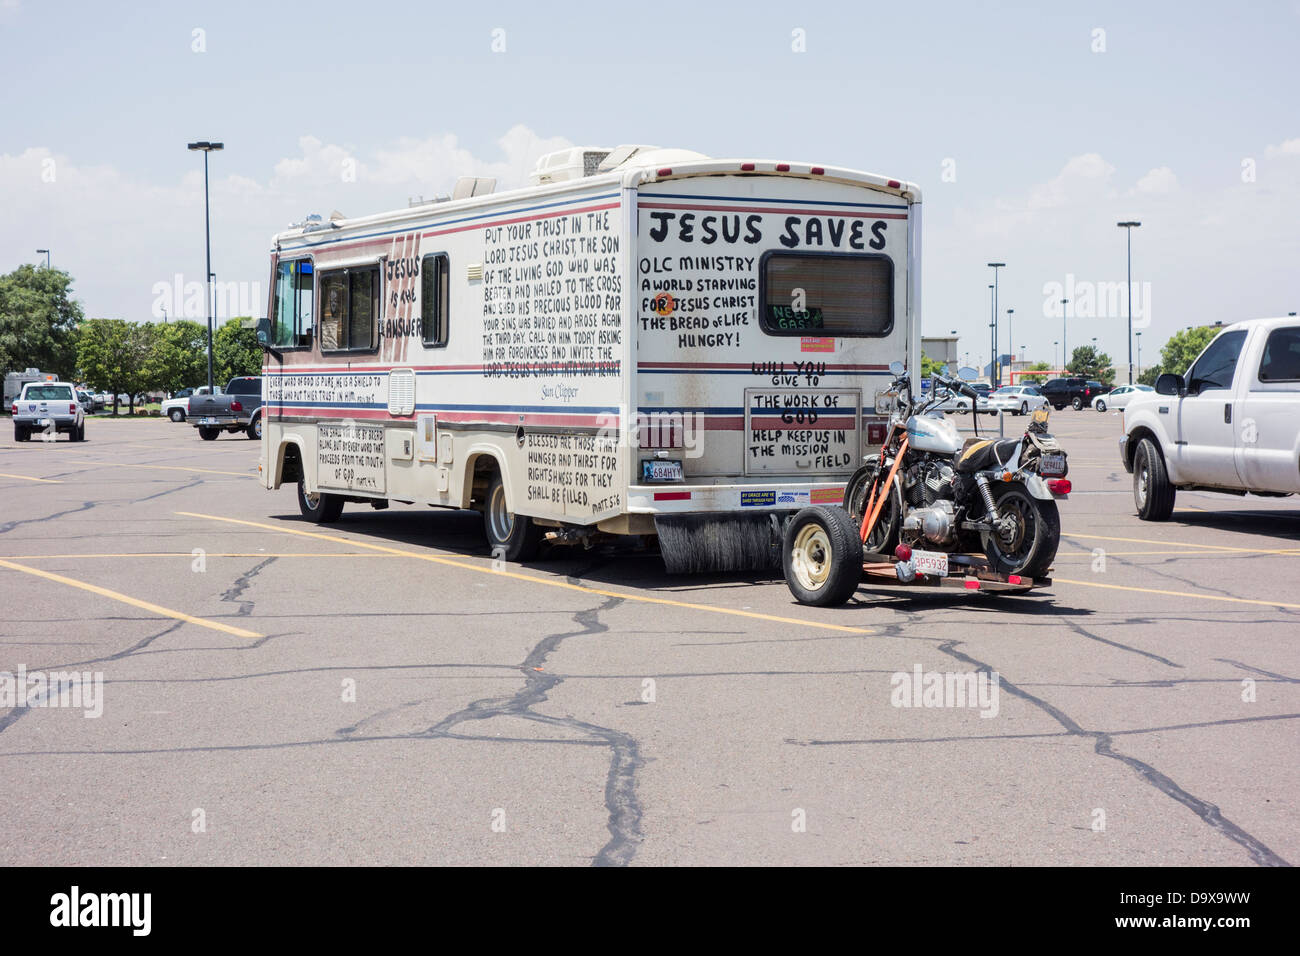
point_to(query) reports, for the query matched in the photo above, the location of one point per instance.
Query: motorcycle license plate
(1051, 465)
(933, 563)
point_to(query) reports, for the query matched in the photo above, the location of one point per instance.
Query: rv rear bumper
(769, 496)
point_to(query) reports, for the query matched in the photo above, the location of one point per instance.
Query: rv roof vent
(565, 164)
(468, 186)
(621, 155)
(336, 215)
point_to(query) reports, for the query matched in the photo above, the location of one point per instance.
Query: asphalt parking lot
(375, 692)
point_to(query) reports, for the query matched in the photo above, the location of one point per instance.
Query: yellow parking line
(207, 554)
(118, 464)
(1177, 544)
(1124, 554)
(533, 579)
(52, 481)
(134, 602)
(1182, 594)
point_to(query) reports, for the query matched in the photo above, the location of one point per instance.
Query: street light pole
(1011, 348)
(1065, 350)
(47, 256)
(993, 327)
(1139, 338)
(995, 266)
(205, 148)
(1128, 228)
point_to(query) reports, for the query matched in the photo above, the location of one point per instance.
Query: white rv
(644, 341)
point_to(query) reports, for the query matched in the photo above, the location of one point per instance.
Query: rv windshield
(827, 294)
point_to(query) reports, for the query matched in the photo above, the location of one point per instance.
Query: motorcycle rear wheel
(1030, 547)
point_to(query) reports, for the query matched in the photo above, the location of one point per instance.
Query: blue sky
(1051, 141)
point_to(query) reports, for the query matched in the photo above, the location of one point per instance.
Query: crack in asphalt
(242, 583)
(1102, 743)
(621, 802)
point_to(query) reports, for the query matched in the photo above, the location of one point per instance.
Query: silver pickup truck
(47, 408)
(238, 410)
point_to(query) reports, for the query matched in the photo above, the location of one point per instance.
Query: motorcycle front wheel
(884, 536)
(1029, 535)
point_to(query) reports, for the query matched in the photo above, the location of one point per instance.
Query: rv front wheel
(317, 506)
(510, 536)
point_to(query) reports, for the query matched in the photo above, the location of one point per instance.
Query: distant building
(941, 348)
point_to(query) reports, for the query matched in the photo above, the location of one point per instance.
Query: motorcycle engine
(929, 481)
(936, 524)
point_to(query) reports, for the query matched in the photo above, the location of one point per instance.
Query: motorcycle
(929, 498)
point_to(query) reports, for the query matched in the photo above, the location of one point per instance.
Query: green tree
(1149, 375)
(113, 355)
(1035, 379)
(1181, 350)
(179, 356)
(929, 366)
(1087, 362)
(38, 321)
(235, 351)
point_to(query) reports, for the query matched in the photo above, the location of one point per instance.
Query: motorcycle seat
(981, 453)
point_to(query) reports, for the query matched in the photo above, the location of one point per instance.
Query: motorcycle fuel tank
(936, 435)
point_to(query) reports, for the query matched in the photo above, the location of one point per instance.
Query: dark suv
(1076, 392)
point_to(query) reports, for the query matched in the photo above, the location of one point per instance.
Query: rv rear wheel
(822, 556)
(510, 536)
(318, 507)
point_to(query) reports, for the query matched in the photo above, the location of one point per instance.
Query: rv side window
(349, 309)
(433, 300)
(832, 294)
(293, 304)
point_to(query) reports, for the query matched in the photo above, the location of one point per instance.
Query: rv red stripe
(797, 212)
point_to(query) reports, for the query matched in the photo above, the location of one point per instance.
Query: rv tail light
(817, 171)
(666, 171)
(782, 167)
(747, 167)
(1060, 486)
(903, 553)
(894, 184)
(236, 405)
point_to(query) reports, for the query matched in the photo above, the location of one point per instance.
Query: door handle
(1227, 414)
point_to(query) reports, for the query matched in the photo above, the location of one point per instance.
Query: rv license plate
(1051, 465)
(656, 470)
(933, 563)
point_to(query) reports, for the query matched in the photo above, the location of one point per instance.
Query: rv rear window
(826, 294)
(433, 300)
(349, 309)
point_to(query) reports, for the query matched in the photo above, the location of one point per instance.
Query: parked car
(1017, 399)
(177, 408)
(1075, 392)
(87, 401)
(238, 410)
(49, 407)
(1227, 424)
(960, 404)
(1119, 397)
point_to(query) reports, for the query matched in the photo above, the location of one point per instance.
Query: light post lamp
(1011, 348)
(46, 253)
(1128, 228)
(205, 147)
(1055, 354)
(995, 266)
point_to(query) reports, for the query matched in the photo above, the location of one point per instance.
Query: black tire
(177, 414)
(21, 433)
(254, 430)
(1033, 537)
(209, 434)
(1024, 408)
(884, 536)
(1058, 407)
(78, 433)
(319, 508)
(1152, 493)
(1101, 405)
(1076, 403)
(821, 556)
(510, 536)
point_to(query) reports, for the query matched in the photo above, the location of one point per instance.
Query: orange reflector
(972, 584)
(1013, 578)
(747, 167)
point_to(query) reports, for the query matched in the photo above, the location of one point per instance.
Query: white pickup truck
(1230, 424)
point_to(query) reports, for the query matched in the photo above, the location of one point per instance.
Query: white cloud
(1158, 181)
(1290, 147)
(120, 234)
